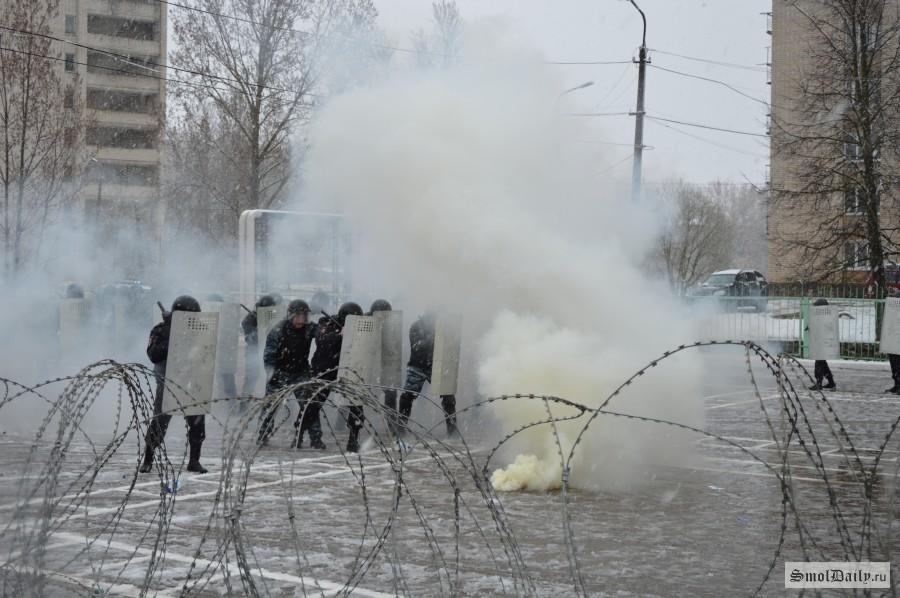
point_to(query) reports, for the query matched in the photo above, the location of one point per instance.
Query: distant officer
(250, 325)
(894, 360)
(418, 370)
(286, 354)
(327, 358)
(158, 352)
(821, 370)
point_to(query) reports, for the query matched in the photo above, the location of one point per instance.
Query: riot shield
(390, 323)
(73, 320)
(190, 368)
(360, 349)
(266, 319)
(228, 336)
(445, 362)
(824, 339)
(890, 327)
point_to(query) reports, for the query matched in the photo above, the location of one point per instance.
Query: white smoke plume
(470, 188)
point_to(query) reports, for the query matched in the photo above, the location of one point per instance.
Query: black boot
(194, 462)
(147, 465)
(353, 441)
(831, 385)
(895, 389)
(317, 443)
(816, 386)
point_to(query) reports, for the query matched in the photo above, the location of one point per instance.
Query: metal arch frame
(247, 245)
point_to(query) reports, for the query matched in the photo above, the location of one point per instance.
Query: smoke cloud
(469, 188)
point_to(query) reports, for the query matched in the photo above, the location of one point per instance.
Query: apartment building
(817, 227)
(121, 45)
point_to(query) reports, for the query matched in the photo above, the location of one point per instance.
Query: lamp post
(639, 114)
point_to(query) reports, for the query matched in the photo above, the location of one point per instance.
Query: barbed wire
(436, 495)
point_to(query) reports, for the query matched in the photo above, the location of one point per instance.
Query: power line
(710, 80)
(109, 68)
(757, 68)
(374, 44)
(704, 140)
(144, 63)
(710, 127)
(599, 114)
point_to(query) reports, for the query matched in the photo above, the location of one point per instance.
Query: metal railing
(782, 322)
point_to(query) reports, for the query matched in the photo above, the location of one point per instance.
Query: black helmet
(74, 291)
(820, 302)
(297, 306)
(380, 305)
(185, 303)
(348, 309)
(215, 297)
(266, 301)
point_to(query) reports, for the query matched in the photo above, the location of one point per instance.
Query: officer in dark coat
(158, 352)
(327, 358)
(418, 371)
(286, 356)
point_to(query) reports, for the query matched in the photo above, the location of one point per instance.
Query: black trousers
(822, 371)
(894, 360)
(159, 424)
(415, 380)
(308, 417)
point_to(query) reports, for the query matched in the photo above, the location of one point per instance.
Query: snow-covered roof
(727, 272)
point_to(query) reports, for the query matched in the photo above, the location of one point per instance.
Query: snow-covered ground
(312, 522)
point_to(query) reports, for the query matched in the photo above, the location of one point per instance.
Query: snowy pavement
(311, 522)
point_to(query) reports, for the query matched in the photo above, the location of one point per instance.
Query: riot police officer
(158, 352)
(418, 370)
(250, 325)
(286, 355)
(327, 358)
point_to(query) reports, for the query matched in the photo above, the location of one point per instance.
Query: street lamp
(99, 184)
(639, 114)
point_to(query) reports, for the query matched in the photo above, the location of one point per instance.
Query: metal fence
(782, 321)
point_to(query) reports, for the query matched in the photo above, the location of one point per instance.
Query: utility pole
(639, 115)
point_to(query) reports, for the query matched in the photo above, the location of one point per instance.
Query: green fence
(782, 321)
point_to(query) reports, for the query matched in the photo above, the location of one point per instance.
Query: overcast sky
(731, 31)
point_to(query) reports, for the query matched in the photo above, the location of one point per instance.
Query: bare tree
(836, 136)
(696, 238)
(257, 63)
(41, 119)
(442, 44)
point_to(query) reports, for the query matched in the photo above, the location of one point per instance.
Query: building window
(70, 24)
(123, 27)
(69, 99)
(122, 101)
(70, 63)
(856, 255)
(133, 66)
(124, 174)
(122, 137)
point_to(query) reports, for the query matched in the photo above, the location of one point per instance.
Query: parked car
(736, 283)
(891, 281)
